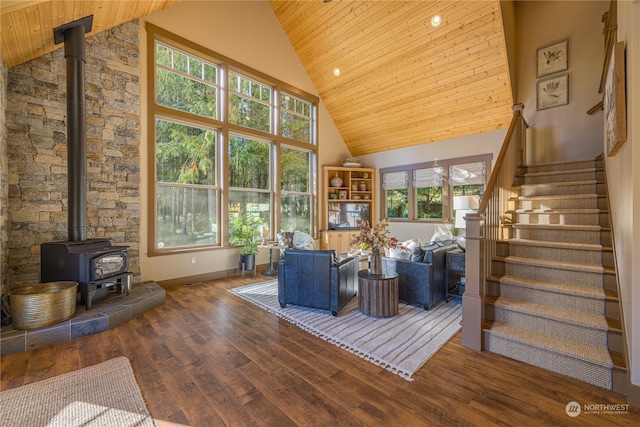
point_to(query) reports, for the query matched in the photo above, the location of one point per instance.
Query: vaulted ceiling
(402, 81)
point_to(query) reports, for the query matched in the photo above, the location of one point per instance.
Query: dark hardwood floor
(209, 358)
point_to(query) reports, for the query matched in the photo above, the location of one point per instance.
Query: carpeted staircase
(552, 296)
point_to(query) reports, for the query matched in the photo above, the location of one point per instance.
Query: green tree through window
(206, 152)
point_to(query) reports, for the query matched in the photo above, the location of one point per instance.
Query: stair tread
(562, 183)
(611, 295)
(579, 350)
(554, 244)
(591, 160)
(577, 290)
(573, 227)
(564, 315)
(614, 324)
(618, 360)
(561, 172)
(591, 211)
(589, 268)
(559, 196)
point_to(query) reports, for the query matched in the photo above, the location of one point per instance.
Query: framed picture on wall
(553, 92)
(553, 59)
(614, 103)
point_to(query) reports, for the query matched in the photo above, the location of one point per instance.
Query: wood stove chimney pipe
(72, 34)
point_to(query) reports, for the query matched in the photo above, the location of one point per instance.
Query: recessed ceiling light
(436, 20)
(336, 71)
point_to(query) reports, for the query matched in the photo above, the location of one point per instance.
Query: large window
(225, 140)
(425, 191)
(296, 199)
(396, 187)
(428, 184)
(186, 191)
(250, 178)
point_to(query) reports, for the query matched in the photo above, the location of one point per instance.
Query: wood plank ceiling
(402, 82)
(26, 27)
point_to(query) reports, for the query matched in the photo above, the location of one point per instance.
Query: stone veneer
(37, 152)
(3, 177)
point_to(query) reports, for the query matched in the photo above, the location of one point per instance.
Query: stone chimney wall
(3, 177)
(37, 151)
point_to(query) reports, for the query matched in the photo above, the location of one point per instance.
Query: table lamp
(462, 205)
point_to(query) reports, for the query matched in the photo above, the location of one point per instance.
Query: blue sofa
(421, 280)
(314, 278)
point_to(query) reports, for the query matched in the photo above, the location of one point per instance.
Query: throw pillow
(410, 244)
(427, 252)
(285, 238)
(335, 259)
(443, 243)
(440, 236)
(418, 254)
(302, 240)
(400, 253)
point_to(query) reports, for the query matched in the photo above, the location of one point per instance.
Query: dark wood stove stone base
(114, 310)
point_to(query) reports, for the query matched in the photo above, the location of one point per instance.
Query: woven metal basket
(43, 305)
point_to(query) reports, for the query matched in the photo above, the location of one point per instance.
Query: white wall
(565, 132)
(624, 189)
(484, 143)
(247, 32)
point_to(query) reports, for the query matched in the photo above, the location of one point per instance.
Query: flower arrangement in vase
(376, 239)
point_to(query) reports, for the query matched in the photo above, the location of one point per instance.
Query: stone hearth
(114, 310)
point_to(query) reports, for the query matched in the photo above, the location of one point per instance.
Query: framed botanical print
(553, 59)
(614, 102)
(552, 92)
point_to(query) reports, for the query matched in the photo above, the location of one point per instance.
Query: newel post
(473, 297)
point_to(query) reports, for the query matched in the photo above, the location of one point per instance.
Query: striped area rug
(401, 344)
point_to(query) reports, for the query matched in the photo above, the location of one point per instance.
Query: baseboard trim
(190, 280)
(633, 394)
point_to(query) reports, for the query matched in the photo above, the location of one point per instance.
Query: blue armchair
(421, 280)
(314, 278)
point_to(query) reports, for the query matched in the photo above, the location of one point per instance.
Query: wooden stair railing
(485, 228)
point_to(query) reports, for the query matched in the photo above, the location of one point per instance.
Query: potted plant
(244, 231)
(364, 248)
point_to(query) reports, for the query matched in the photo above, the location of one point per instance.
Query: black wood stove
(94, 263)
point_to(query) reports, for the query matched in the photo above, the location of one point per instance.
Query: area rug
(103, 395)
(401, 344)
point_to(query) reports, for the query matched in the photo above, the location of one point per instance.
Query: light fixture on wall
(463, 205)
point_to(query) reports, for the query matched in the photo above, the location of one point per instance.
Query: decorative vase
(336, 181)
(375, 264)
(363, 186)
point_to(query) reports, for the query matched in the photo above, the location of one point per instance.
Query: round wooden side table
(377, 294)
